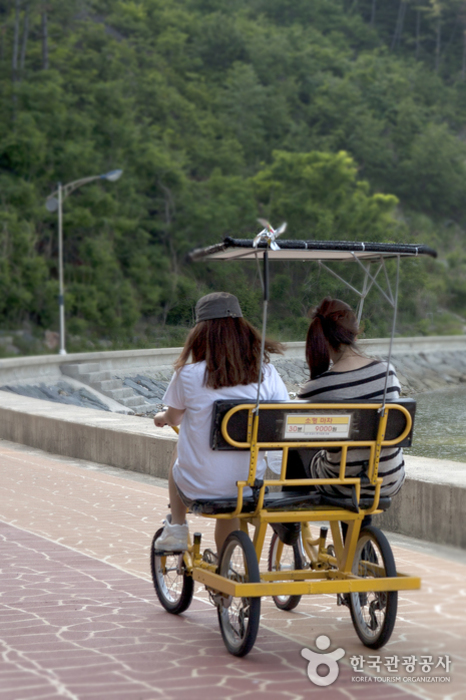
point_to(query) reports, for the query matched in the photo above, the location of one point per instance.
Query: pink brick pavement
(79, 617)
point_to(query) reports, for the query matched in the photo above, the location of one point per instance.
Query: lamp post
(54, 202)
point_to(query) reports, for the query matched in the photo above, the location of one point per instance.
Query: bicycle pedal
(218, 599)
(168, 553)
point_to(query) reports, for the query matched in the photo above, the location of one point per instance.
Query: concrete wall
(45, 367)
(430, 506)
(127, 442)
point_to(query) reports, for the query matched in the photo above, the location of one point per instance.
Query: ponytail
(333, 324)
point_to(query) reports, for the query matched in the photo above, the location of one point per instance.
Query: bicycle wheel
(239, 617)
(373, 612)
(172, 584)
(283, 557)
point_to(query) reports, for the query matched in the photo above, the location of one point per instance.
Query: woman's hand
(160, 419)
(171, 416)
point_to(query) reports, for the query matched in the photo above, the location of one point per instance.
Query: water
(440, 425)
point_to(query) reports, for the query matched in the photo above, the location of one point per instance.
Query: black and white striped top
(364, 383)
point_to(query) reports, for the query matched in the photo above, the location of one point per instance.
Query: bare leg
(177, 506)
(223, 529)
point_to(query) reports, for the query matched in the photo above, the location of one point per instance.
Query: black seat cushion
(283, 500)
(289, 500)
(351, 504)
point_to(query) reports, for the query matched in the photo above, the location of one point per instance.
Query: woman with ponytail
(338, 372)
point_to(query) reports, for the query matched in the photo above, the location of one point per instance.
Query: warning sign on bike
(324, 426)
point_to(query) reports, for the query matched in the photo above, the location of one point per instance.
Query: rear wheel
(283, 557)
(373, 612)
(239, 617)
(172, 584)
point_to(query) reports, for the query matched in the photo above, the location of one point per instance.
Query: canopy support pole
(395, 307)
(374, 281)
(264, 326)
(363, 295)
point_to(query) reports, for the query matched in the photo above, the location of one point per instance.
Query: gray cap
(218, 305)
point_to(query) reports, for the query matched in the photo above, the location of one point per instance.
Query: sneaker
(174, 538)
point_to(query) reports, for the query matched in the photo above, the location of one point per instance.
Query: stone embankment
(416, 373)
(135, 382)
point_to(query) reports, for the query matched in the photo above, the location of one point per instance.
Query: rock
(60, 393)
(12, 350)
(52, 340)
(28, 338)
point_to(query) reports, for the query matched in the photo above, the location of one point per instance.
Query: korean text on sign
(323, 426)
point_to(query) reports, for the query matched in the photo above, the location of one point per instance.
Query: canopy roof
(241, 248)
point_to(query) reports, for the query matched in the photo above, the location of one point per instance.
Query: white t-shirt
(200, 471)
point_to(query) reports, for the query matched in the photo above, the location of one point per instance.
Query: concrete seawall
(431, 505)
(127, 442)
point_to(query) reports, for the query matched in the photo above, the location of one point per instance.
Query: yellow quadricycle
(357, 567)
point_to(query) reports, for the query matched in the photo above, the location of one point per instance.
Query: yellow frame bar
(306, 587)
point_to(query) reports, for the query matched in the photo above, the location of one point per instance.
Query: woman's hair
(231, 348)
(333, 324)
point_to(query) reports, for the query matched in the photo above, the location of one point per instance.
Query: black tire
(373, 613)
(288, 558)
(174, 590)
(239, 617)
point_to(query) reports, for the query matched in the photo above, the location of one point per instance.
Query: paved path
(79, 618)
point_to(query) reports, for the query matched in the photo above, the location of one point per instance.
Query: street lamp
(54, 202)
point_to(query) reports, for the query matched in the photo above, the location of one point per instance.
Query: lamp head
(113, 175)
(51, 204)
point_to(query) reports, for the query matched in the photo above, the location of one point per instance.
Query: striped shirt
(364, 383)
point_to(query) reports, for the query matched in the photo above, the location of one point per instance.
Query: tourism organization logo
(396, 669)
(319, 660)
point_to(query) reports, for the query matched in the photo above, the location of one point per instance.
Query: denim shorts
(188, 502)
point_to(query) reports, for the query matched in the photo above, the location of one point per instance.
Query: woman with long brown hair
(226, 353)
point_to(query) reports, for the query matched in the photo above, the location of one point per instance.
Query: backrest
(312, 424)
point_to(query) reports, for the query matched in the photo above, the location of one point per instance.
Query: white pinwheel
(269, 234)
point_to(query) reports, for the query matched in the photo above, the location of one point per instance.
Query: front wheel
(172, 584)
(239, 617)
(283, 557)
(373, 612)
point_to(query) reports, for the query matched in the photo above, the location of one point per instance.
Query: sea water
(440, 425)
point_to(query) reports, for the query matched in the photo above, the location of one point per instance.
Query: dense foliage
(345, 118)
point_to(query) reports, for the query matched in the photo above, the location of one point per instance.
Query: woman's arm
(171, 416)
